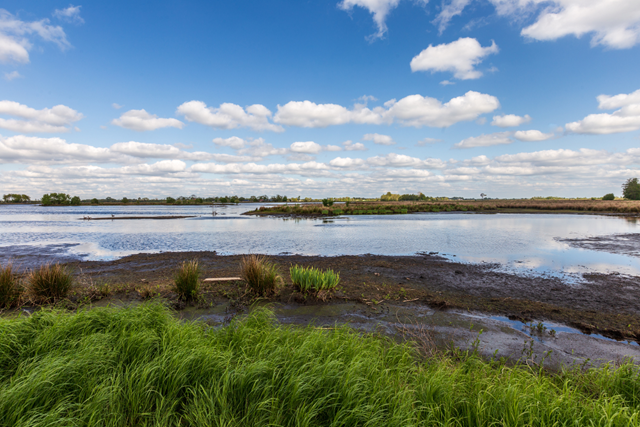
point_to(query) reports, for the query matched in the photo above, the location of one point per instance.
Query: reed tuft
(9, 286)
(49, 282)
(262, 276)
(312, 279)
(186, 279)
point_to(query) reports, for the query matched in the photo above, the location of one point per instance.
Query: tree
(171, 200)
(75, 201)
(609, 196)
(95, 201)
(483, 195)
(56, 199)
(125, 200)
(327, 202)
(631, 189)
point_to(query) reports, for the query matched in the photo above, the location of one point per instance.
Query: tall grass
(312, 279)
(49, 282)
(262, 276)
(186, 279)
(141, 367)
(9, 286)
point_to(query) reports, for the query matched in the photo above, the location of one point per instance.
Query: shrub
(312, 279)
(609, 196)
(75, 201)
(262, 276)
(186, 279)
(95, 201)
(9, 290)
(50, 282)
(325, 212)
(327, 202)
(171, 200)
(337, 212)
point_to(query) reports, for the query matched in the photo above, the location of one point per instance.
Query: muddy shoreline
(606, 304)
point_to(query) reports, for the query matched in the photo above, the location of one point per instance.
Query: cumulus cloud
(427, 141)
(233, 142)
(625, 119)
(379, 139)
(56, 119)
(351, 146)
(412, 110)
(378, 8)
(532, 135)
(27, 149)
(613, 23)
(12, 75)
(307, 147)
(69, 14)
(510, 120)
(140, 120)
(332, 148)
(16, 37)
(346, 162)
(485, 140)
(459, 57)
(229, 116)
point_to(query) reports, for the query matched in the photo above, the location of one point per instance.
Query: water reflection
(522, 242)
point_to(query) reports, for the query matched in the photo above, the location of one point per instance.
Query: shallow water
(527, 243)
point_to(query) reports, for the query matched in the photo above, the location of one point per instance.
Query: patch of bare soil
(624, 244)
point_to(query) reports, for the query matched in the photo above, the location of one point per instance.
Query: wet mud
(623, 244)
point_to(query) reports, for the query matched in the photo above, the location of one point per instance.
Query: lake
(527, 243)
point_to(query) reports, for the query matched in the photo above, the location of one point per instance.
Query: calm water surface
(527, 243)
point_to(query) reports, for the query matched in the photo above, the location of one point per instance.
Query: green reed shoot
(311, 279)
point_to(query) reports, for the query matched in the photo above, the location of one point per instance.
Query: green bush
(95, 201)
(186, 280)
(327, 202)
(312, 279)
(325, 212)
(9, 286)
(171, 200)
(609, 196)
(262, 276)
(337, 212)
(49, 282)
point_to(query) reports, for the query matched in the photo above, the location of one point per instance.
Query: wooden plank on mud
(221, 279)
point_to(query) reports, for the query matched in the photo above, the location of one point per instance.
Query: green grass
(142, 367)
(311, 279)
(49, 282)
(9, 286)
(186, 279)
(262, 276)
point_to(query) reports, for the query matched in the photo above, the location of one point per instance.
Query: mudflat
(608, 304)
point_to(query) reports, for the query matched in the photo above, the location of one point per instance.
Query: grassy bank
(125, 367)
(524, 205)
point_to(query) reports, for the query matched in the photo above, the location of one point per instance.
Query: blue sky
(513, 98)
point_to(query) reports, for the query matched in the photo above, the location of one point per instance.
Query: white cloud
(532, 135)
(333, 148)
(413, 110)
(351, 146)
(625, 119)
(346, 162)
(498, 138)
(460, 57)
(229, 116)
(396, 160)
(56, 119)
(233, 142)
(69, 14)
(613, 23)
(416, 110)
(510, 120)
(27, 149)
(307, 147)
(12, 75)
(259, 148)
(14, 37)
(378, 8)
(117, 106)
(453, 8)
(379, 139)
(140, 120)
(143, 149)
(446, 83)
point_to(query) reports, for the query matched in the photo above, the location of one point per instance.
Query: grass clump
(186, 279)
(143, 367)
(9, 286)
(311, 279)
(262, 276)
(49, 282)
